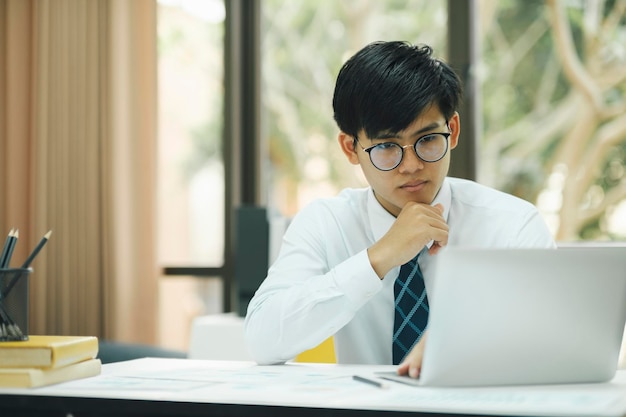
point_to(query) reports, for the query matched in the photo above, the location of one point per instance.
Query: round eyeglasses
(387, 156)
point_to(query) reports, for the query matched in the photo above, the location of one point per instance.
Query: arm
(323, 277)
(314, 288)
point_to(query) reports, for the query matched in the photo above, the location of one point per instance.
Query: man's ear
(454, 124)
(346, 142)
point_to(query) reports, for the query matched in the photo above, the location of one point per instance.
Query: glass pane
(191, 174)
(553, 96)
(181, 299)
(304, 44)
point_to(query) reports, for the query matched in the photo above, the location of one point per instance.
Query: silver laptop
(525, 316)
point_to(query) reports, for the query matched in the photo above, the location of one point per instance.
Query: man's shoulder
(348, 202)
(492, 218)
(348, 198)
(470, 193)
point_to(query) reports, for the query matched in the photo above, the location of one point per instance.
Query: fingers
(416, 226)
(423, 219)
(412, 364)
(438, 244)
(436, 227)
(410, 369)
(436, 247)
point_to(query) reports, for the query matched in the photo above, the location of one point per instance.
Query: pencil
(35, 251)
(28, 261)
(5, 248)
(11, 240)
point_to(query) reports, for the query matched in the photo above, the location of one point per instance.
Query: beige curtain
(77, 156)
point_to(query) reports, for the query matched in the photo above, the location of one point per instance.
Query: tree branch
(573, 68)
(543, 126)
(613, 196)
(547, 86)
(607, 136)
(614, 17)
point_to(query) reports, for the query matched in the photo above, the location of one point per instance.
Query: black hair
(385, 86)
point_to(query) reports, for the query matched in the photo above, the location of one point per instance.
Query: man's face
(412, 180)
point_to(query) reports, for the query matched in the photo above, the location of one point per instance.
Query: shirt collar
(381, 220)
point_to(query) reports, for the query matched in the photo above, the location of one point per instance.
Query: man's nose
(410, 161)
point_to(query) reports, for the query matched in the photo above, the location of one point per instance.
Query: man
(396, 108)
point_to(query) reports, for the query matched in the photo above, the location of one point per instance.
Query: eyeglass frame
(368, 150)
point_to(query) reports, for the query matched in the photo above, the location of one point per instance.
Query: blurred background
(552, 111)
(241, 94)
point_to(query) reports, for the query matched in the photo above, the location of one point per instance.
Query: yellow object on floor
(322, 353)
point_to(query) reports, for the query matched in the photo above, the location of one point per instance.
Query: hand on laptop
(412, 364)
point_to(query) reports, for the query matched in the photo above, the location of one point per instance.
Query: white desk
(194, 387)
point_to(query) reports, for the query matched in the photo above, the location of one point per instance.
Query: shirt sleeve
(305, 298)
(533, 232)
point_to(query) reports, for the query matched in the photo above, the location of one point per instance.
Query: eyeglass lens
(430, 148)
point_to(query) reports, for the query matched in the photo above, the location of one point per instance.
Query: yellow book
(38, 377)
(47, 351)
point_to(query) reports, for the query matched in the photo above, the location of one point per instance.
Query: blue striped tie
(411, 315)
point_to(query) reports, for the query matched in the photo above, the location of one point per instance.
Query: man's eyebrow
(395, 135)
(386, 135)
(427, 128)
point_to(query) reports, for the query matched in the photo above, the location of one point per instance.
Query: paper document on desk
(510, 401)
(333, 387)
(545, 400)
(228, 382)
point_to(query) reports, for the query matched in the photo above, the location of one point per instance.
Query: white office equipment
(218, 337)
(525, 316)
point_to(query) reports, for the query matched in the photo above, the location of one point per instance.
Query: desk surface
(181, 387)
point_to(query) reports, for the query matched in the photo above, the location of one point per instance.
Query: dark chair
(109, 351)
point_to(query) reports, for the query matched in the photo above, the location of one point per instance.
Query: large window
(553, 79)
(304, 43)
(191, 169)
(552, 94)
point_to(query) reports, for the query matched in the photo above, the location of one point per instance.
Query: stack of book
(46, 360)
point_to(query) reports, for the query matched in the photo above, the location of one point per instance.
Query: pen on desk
(370, 381)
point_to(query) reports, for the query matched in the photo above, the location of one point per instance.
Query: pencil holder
(14, 304)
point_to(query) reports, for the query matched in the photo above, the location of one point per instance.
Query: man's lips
(414, 185)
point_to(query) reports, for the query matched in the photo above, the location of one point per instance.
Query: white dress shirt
(322, 282)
